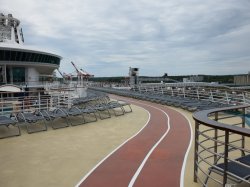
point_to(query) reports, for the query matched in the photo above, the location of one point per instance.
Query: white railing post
(211, 95)
(39, 100)
(244, 98)
(198, 96)
(227, 99)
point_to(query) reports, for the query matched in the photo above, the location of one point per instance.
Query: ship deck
(152, 146)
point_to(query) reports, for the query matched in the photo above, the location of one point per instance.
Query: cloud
(106, 37)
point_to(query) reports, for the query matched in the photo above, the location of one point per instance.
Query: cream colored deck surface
(62, 157)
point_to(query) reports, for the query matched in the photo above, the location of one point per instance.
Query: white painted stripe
(91, 171)
(151, 150)
(186, 154)
(188, 149)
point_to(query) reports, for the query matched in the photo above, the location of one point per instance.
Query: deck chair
(31, 119)
(89, 113)
(125, 105)
(116, 107)
(7, 122)
(74, 112)
(101, 110)
(54, 115)
(237, 170)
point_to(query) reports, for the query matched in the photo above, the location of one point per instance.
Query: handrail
(202, 117)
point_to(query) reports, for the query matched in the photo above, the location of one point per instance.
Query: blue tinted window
(7, 55)
(19, 56)
(1, 54)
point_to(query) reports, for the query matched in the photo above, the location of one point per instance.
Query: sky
(106, 37)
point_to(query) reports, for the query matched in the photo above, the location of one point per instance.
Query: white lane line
(183, 168)
(151, 150)
(91, 171)
(186, 154)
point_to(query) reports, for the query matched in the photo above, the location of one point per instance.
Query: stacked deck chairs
(8, 122)
(92, 105)
(100, 103)
(115, 105)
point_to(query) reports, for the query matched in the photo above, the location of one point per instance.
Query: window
(18, 56)
(18, 74)
(1, 55)
(7, 55)
(33, 55)
(36, 59)
(12, 55)
(24, 56)
(28, 57)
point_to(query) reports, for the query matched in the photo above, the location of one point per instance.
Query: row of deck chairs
(186, 103)
(84, 110)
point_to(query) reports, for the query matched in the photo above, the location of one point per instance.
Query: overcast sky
(106, 37)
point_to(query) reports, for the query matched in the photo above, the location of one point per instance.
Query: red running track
(153, 158)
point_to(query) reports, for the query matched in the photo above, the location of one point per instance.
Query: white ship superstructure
(21, 64)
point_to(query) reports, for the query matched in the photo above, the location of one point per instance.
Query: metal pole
(196, 150)
(215, 138)
(226, 157)
(243, 126)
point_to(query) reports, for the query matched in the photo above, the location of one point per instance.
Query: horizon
(176, 75)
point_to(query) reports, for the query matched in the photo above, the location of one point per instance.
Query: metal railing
(37, 100)
(221, 138)
(213, 94)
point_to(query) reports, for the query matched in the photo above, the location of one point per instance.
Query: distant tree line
(108, 79)
(207, 78)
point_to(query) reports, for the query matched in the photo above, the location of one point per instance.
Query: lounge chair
(125, 104)
(74, 112)
(56, 114)
(89, 113)
(101, 109)
(7, 122)
(31, 119)
(115, 107)
(238, 170)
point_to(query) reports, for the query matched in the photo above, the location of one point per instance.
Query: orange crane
(65, 75)
(81, 73)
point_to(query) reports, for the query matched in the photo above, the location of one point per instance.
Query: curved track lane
(152, 158)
